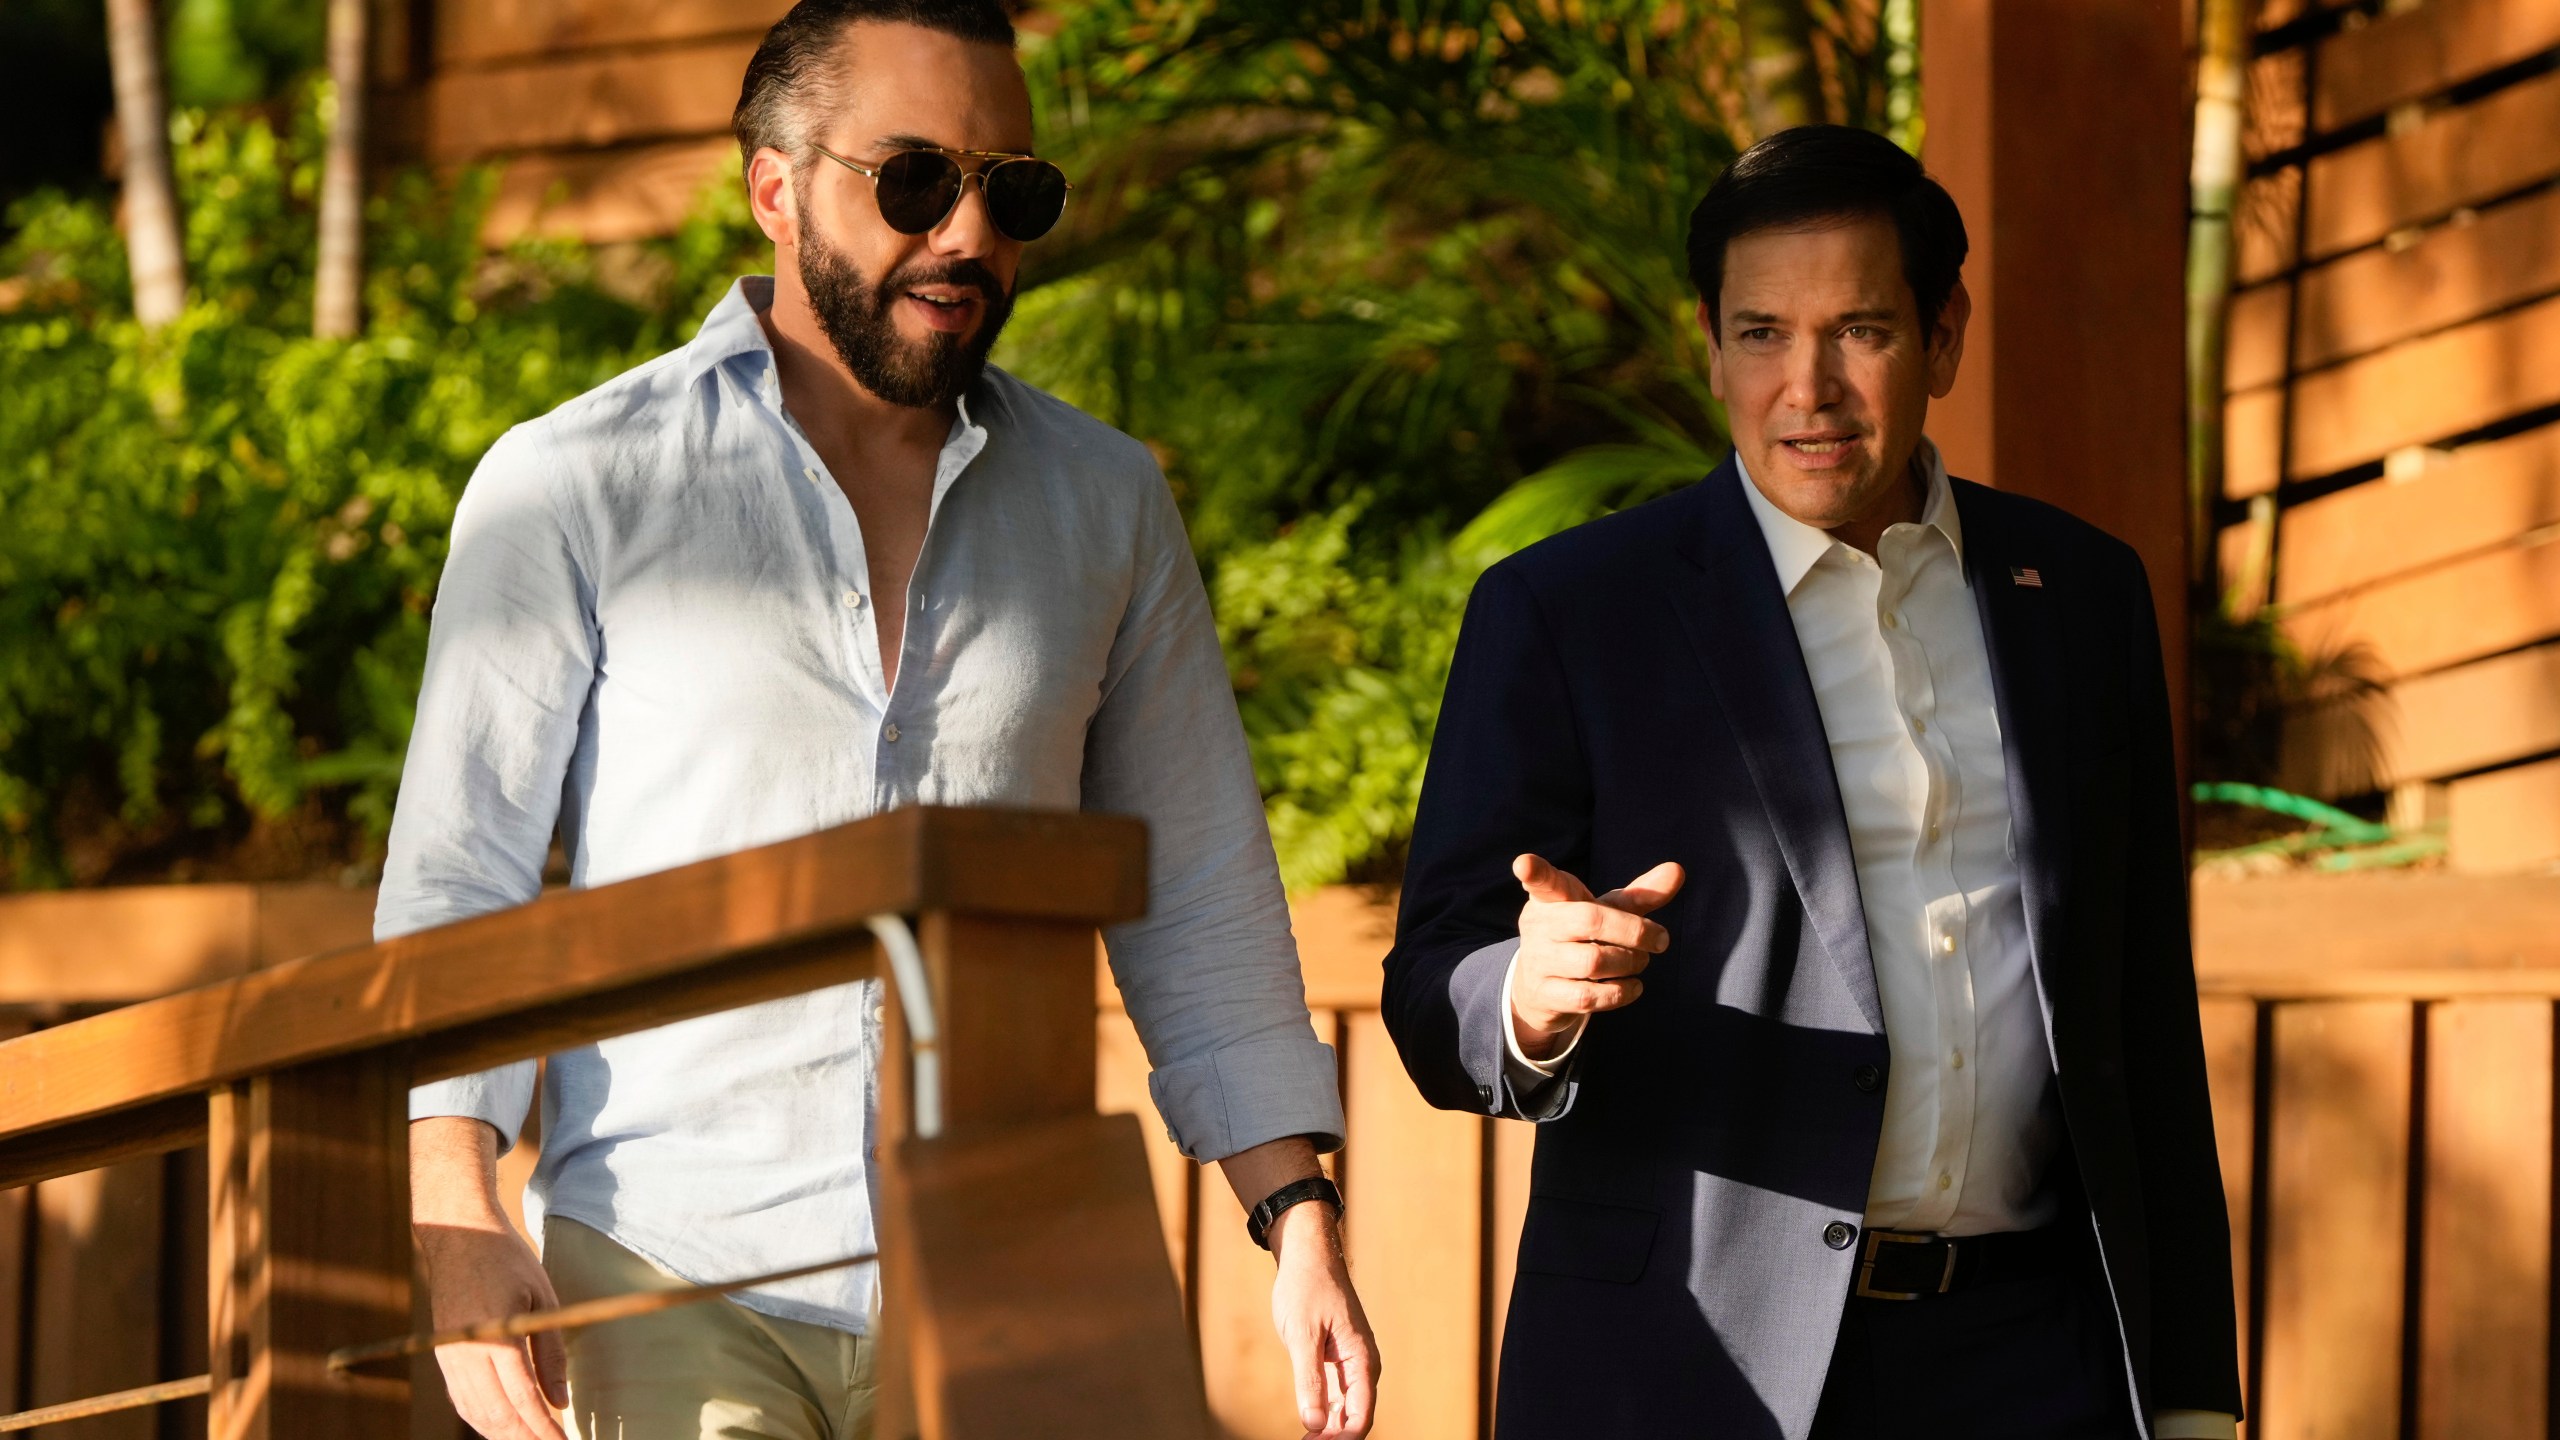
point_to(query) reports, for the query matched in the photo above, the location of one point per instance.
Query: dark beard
(855, 315)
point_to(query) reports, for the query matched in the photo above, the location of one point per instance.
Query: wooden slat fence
(2394, 373)
(2360, 1031)
(604, 120)
(2380, 1049)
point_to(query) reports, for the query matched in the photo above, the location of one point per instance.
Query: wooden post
(309, 1248)
(1027, 1289)
(2060, 130)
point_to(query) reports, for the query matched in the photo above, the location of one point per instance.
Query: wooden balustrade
(1024, 1309)
(2381, 1053)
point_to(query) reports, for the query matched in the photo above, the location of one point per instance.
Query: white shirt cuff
(2194, 1425)
(1545, 1069)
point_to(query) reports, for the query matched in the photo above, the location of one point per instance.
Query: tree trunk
(1779, 77)
(1900, 24)
(2213, 188)
(337, 298)
(151, 241)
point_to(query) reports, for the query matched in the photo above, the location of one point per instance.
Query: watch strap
(1297, 1192)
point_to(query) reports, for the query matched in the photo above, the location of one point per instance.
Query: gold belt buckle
(1867, 1265)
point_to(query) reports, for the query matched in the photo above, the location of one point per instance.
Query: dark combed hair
(1814, 174)
(791, 80)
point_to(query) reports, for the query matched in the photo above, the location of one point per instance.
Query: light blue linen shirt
(655, 632)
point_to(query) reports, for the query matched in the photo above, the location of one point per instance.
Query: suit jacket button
(1839, 1234)
(1869, 1078)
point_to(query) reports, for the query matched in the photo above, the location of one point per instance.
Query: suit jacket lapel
(1736, 619)
(2028, 673)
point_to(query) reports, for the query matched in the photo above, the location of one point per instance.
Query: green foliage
(1392, 290)
(218, 544)
(233, 52)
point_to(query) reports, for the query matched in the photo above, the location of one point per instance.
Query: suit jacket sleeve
(1508, 774)
(2194, 1341)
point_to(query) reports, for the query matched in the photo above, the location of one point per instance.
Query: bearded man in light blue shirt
(821, 562)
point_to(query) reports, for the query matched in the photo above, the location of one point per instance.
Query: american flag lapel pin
(2019, 575)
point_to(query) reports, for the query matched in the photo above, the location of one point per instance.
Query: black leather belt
(1901, 1265)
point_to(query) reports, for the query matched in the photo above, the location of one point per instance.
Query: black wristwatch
(1314, 1187)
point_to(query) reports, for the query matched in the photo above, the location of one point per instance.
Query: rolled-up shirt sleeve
(1210, 974)
(510, 659)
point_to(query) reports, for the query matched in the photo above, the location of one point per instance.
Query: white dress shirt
(1902, 677)
(656, 634)
(1903, 680)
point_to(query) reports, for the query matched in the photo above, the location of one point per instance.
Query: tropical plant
(218, 543)
(1392, 290)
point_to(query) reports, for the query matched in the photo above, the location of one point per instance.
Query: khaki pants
(711, 1371)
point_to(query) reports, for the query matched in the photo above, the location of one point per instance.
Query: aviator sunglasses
(919, 188)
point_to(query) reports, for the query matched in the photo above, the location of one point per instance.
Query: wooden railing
(297, 1078)
(2362, 1029)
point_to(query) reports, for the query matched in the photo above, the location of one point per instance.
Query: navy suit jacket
(1631, 692)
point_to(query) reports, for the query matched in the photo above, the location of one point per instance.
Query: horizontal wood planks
(588, 100)
(2401, 296)
(2424, 49)
(2492, 602)
(2485, 713)
(602, 196)
(83, 947)
(2252, 443)
(2485, 1309)
(2407, 921)
(2453, 158)
(478, 32)
(2340, 1166)
(2507, 820)
(2372, 298)
(2426, 391)
(2459, 503)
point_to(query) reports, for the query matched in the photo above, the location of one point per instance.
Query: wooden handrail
(2347, 983)
(564, 970)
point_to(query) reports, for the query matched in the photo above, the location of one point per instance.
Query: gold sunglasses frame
(999, 157)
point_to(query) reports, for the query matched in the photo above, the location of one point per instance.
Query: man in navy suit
(1872, 1101)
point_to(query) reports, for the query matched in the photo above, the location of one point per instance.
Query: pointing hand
(1579, 953)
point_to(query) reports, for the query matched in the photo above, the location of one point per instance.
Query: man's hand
(1581, 954)
(1332, 1356)
(478, 1269)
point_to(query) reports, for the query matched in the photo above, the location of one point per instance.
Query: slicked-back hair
(1817, 174)
(792, 82)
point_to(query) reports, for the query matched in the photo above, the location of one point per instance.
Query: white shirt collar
(734, 330)
(1797, 547)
